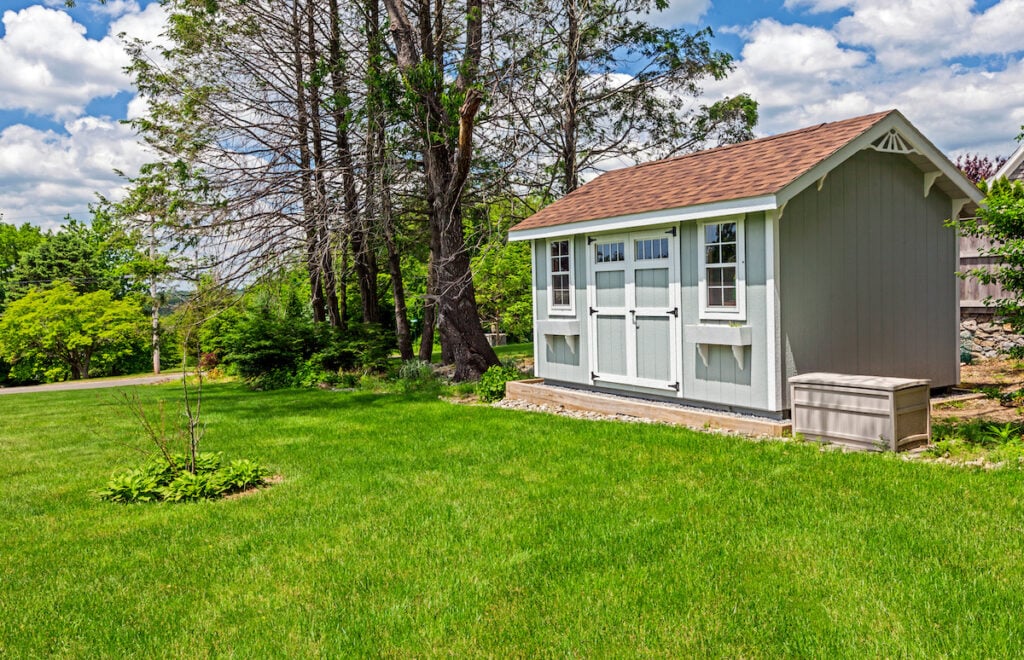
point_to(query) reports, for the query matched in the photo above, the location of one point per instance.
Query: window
(560, 291)
(721, 269)
(609, 252)
(651, 248)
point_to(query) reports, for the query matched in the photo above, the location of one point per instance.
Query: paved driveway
(92, 384)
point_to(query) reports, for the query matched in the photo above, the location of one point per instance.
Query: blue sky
(954, 67)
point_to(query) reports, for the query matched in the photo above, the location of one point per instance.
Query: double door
(634, 309)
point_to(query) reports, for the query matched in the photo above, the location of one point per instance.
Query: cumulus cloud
(47, 174)
(51, 68)
(802, 75)
(909, 34)
(679, 12)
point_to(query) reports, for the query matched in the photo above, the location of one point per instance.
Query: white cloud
(802, 75)
(51, 68)
(47, 175)
(679, 12)
(147, 25)
(114, 8)
(906, 34)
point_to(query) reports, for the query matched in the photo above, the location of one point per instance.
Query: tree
(440, 67)
(14, 242)
(91, 257)
(61, 331)
(503, 287)
(599, 85)
(1000, 221)
(979, 168)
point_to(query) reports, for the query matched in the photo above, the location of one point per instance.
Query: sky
(955, 68)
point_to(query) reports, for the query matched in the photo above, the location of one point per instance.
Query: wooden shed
(712, 278)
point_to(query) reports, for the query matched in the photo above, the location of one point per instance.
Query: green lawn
(411, 526)
(504, 352)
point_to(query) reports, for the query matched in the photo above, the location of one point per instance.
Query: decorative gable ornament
(893, 143)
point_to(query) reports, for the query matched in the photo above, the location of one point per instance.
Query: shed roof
(1013, 168)
(747, 170)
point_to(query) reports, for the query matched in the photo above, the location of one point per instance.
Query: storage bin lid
(886, 383)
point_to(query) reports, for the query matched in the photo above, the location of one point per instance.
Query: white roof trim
(664, 216)
(1011, 164)
(920, 143)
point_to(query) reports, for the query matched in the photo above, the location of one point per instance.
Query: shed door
(634, 309)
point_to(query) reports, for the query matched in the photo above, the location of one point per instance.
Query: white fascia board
(1011, 164)
(651, 218)
(896, 120)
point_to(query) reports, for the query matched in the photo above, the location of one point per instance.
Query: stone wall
(985, 338)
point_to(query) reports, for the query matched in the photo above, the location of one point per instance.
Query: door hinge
(592, 311)
(674, 312)
(593, 376)
(671, 231)
(674, 386)
(590, 239)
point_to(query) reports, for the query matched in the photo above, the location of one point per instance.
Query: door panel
(611, 345)
(611, 288)
(652, 287)
(653, 348)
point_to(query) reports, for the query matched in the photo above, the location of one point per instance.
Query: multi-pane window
(651, 248)
(609, 252)
(720, 247)
(561, 281)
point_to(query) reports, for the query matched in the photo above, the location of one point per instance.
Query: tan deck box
(866, 412)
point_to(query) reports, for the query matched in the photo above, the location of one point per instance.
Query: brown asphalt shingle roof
(736, 171)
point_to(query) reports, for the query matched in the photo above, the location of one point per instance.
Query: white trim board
(651, 219)
(1011, 164)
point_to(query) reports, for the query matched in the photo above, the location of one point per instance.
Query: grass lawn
(409, 526)
(504, 352)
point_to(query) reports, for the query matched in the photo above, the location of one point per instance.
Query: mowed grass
(408, 526)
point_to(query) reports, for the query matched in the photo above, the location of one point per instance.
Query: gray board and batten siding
(867, 275)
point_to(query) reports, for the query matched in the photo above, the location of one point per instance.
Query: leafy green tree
(91, 257)
(56, 332)
(14, 242)
(1001, 221)
(502, 277)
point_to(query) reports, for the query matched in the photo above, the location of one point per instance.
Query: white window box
(705, 336)
(568, 329)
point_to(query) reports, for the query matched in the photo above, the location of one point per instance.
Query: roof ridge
(760, 140)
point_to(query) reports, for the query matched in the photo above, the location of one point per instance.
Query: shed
(712, 278)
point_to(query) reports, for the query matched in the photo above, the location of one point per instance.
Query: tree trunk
(429, 310)
(306, 184)
(322, 239)
(363, 259)
(154, 295)
(570, 99)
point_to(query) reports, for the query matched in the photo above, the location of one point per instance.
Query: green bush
(417, 376)
(171, 481)
(492, 383)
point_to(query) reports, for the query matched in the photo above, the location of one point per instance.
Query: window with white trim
(560, 290)
(721, 276)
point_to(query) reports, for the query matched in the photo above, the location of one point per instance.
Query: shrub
(492, 383)
(171, 481)
(417, 376)
(133, 486)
